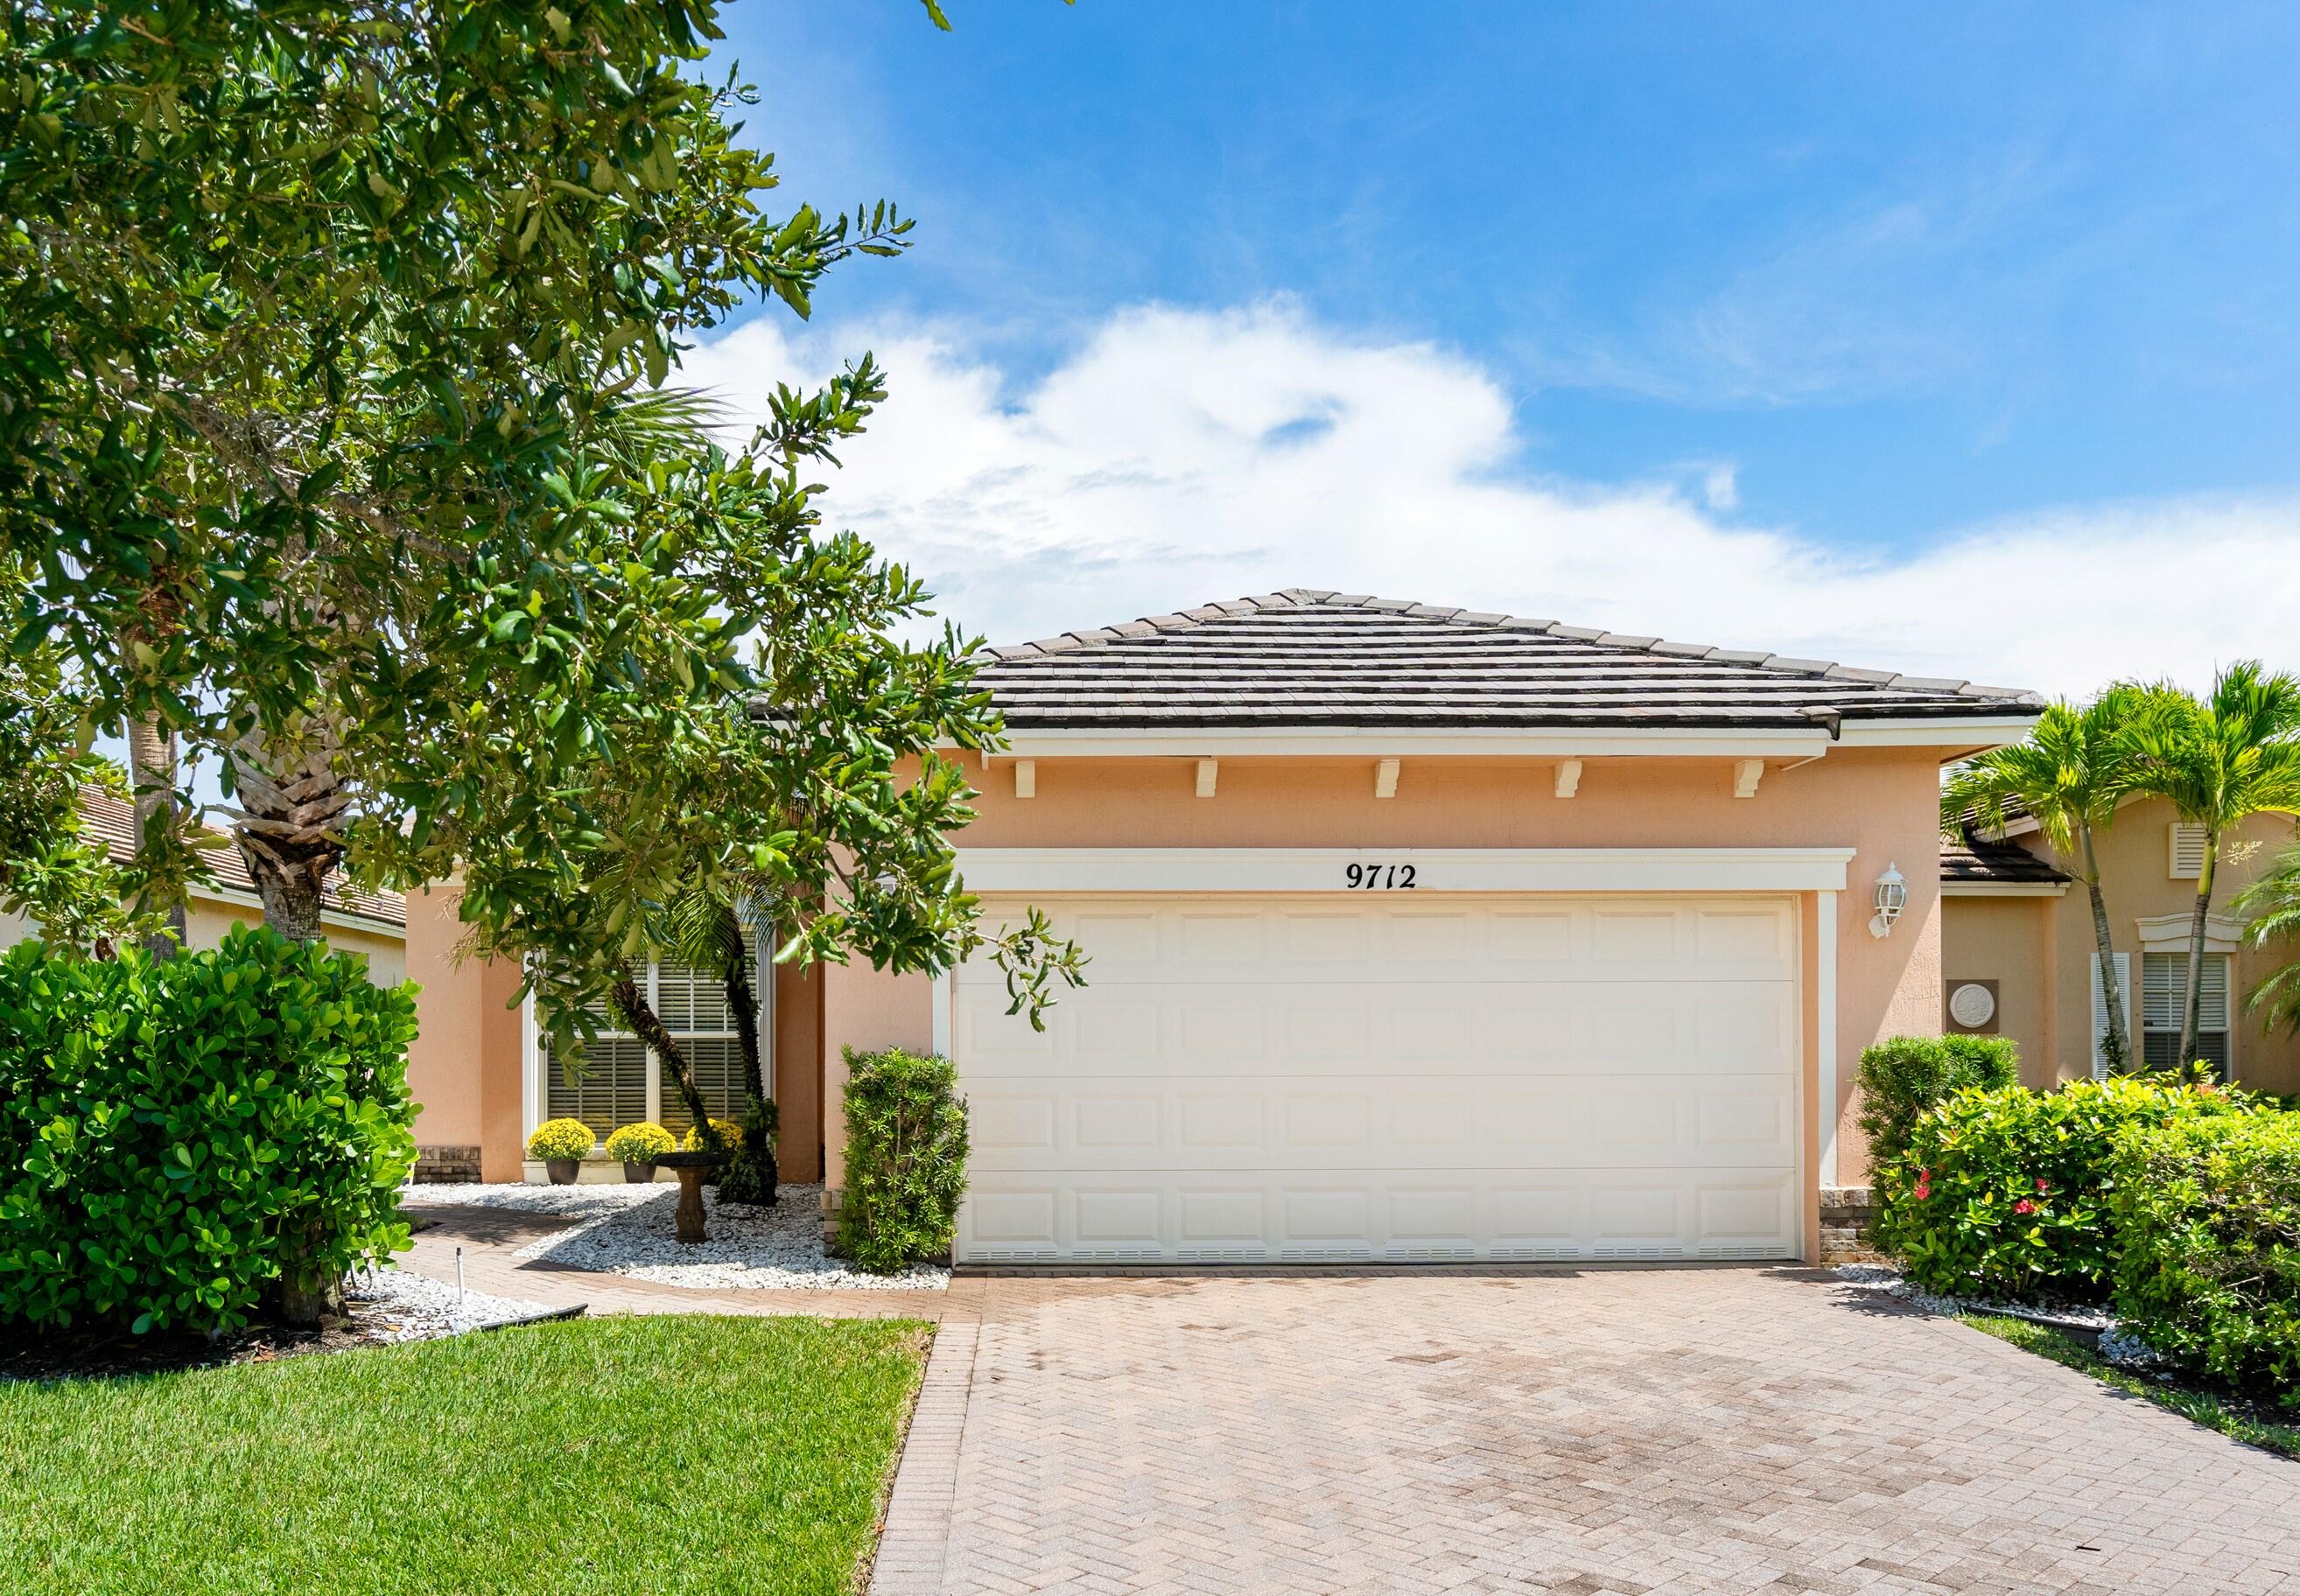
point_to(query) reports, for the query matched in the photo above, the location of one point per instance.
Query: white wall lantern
(1892, 897)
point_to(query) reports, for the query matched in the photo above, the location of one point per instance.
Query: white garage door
(1305, 1078)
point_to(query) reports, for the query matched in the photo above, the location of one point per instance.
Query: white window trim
(2128, 993)
(2174, 933)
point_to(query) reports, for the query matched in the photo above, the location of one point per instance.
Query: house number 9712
(1374, 877)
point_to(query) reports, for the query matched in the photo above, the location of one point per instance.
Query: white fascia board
(2004, 889)
(1546, 743)
(1959, 731)
(1048, 870)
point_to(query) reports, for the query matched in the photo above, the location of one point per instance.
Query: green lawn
(2206, 1409)
(665, 1454)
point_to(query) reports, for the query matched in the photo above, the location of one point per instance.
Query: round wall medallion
(1972, 1005)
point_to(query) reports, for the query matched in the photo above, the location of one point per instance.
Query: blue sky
(1842, 294)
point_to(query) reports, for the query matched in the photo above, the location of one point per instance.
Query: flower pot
(561, 1170)
(638, 1174)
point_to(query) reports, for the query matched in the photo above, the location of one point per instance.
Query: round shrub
(560, 1139)
(2208, 1212)
(2008, 1193)
(1904, 1077)
(182, 1139)
(731, 1136)
(906, 1145)
(639, 1143)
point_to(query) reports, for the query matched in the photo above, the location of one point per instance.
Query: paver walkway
(1628, 1430)
(1617, 1430)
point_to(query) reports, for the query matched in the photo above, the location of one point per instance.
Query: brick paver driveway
(1634, 1430)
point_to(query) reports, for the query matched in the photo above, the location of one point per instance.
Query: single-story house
(1418, 933)
(373, 924)
(2021, 956)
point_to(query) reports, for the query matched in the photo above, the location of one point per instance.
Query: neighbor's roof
(1310, 658)
(112, 823)
(2005, 864)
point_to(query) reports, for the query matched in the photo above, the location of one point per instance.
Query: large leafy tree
(318, 322)
(2077, 763)
(2220, 759)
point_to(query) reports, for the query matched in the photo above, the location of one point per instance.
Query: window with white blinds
(2163, 999)
(2186, 847)
(624, 1082)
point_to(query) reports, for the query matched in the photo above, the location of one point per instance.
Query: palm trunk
(2192, 1012)
(745, 1004)
(2114, 1046)
(289, 825)
(631, 1003)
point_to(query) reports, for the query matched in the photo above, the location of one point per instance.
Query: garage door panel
(1393, 1077)
(1348, 1214)
(1388, 1122)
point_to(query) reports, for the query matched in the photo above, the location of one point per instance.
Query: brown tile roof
(1971, 859)
(1306, 657)
(112, 823)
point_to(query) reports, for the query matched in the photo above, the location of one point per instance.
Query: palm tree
(2273, 904)
(2067, 775)
(2220, 759)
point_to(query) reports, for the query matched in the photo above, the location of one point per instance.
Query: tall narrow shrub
(906, 1146)
(182, 1142)
(1904, 1077)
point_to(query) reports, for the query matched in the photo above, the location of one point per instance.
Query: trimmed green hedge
(179, 1138)
(1903, 1078)
(2009, 1192)
(906, 1146)
(2208, 1212)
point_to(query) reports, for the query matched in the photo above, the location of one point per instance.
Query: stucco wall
(464, 1066)
(1880, 802)
(2011, 942)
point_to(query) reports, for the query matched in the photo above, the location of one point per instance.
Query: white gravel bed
(584, 1201)
(750, 1249)
(2114, 1345)
(402, 1306)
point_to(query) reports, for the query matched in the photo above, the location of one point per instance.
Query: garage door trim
(1194, 871)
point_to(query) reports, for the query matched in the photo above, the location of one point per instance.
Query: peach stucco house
(1416, 933)
(2017, 929)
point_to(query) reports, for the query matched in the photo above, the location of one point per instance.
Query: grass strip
(685, 1455)
(2232, 1420)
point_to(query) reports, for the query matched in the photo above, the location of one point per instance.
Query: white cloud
(1179, 456)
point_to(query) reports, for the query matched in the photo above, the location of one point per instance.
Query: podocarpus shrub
(2008, 1192)
(2208, 1217)
(1904, 1077)
(181, 1138)
(906, 1147)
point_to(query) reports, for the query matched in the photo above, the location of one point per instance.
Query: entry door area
(1316, 1077)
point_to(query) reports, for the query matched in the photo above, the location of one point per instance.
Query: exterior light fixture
(1892, 897)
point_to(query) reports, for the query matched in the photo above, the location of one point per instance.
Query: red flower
(2042, 1188)
(2024, 1206)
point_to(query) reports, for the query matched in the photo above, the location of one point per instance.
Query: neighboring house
(371, 923)
(1417, 934)
(2021, 931)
